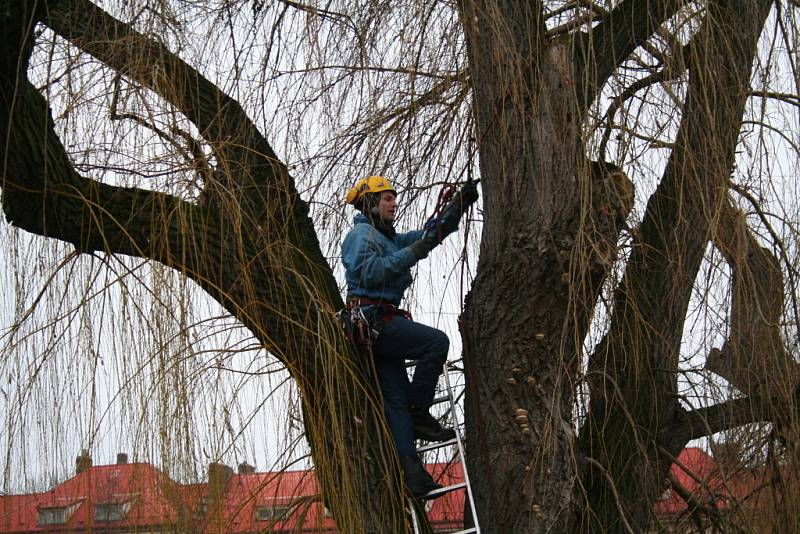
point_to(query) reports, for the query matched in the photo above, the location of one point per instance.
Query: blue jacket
(378, 267)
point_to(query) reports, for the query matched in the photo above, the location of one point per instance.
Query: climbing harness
(357, 329)
(360, 331)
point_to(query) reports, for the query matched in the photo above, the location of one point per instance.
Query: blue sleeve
(404, 240)
(361, 258)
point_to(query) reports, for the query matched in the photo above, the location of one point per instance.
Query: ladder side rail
(414, 519)
(460, 445)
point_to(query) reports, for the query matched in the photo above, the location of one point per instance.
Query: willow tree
(576, 318)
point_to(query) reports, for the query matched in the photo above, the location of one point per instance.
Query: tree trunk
(538, 273)
(541, 266)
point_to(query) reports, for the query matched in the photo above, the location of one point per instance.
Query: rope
(468, 367)
(469, 370)
(481, 425)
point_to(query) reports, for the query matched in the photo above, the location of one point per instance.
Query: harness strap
(390, 311)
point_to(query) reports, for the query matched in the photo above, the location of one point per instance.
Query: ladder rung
(441, 491)
(451, 366)
(433, 446)
(441, 399)
(473, 529)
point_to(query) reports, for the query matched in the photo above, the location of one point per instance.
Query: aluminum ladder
(458, 441)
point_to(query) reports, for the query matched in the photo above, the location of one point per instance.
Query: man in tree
(582, 372)
(378, 264)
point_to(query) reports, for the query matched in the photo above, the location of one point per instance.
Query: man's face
(387, 206)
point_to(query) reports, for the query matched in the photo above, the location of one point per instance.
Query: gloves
(438, 227)
(467, 195)
(432, 224)
(421, 247)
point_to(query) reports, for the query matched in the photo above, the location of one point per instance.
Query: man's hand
(421, 247)
(432, 225)
(468, 194)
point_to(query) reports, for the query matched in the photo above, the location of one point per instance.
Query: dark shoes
(428, 428)
(418, 480)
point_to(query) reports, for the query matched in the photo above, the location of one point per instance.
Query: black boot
(428, 428)
(418, 480)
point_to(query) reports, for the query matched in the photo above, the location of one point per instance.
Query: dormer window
(273, 512)
(53, 516)
(56, 515)
(202, 508)
(112, 511)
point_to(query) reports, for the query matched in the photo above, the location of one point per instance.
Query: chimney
(83, 462)
(122, 458)
(218, 475)
(246, 469)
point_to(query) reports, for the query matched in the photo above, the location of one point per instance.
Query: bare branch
(783, 97)
(727, 415)
(669, 72)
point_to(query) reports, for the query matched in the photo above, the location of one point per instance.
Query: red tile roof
(153, 500)
(698, 473)
(243, 501)
(148, 495)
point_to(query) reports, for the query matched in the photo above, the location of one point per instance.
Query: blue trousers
(402, 340)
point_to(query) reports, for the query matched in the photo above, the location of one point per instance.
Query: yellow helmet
(370, 184)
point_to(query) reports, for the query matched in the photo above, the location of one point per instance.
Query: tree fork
(633, 389)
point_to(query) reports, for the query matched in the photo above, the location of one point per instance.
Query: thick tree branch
(250, 179)
(754, 358)
(644, 338)
(44, 195)
(98, 217)
(611, 41)
(253, 181)
(727, 415)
